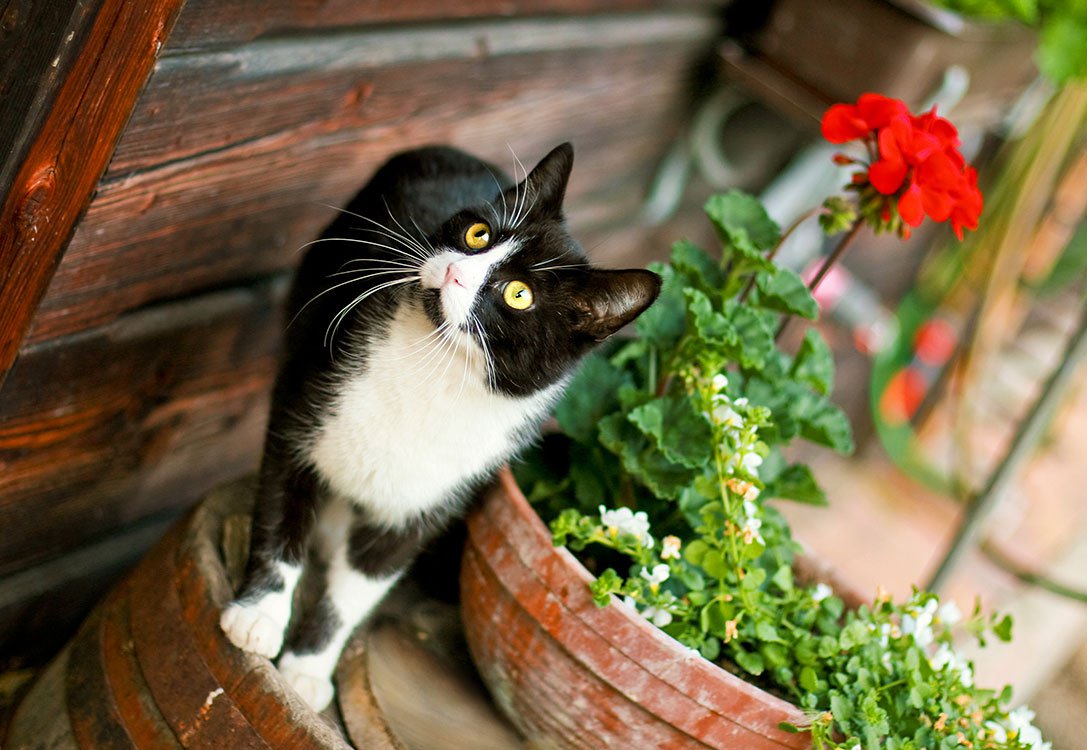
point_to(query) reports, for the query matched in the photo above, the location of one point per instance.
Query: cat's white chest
(418, 422)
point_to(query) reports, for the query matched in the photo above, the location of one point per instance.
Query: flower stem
(824, 269)
(781, 241)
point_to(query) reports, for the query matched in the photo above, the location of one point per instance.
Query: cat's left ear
(546, 184)
(608, 300)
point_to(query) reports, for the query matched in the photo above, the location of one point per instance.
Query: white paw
(252, 629)
(315, 690)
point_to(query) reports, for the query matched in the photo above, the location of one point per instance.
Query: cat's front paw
(315, 690)
(252, 629)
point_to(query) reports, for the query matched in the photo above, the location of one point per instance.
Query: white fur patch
(473, 272)
(353, 596)
(419, 421)
(258, 626)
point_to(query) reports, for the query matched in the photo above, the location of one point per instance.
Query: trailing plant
(671, 448)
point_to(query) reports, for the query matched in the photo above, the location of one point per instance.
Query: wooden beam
(60, 163)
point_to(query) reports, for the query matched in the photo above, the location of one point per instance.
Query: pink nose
(454, 275)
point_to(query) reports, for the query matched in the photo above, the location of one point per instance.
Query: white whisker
(408, 243)
(561, 267)
(334, 324)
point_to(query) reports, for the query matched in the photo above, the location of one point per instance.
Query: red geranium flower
(916, 168)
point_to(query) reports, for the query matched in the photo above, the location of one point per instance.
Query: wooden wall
(146, 343)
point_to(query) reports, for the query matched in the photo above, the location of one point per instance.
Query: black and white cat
(433, 327)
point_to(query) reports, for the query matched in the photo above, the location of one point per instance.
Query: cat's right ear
(608, 300)
(546, 183)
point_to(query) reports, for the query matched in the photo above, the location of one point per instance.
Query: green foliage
(1062, 25)
(681, 431)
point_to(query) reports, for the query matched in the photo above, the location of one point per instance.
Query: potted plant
(672, 444)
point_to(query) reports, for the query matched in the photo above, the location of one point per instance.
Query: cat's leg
(282, 519)
(361, 570)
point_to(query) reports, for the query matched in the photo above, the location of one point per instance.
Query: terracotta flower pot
(570, 674)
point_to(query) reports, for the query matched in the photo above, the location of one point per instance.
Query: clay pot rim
(611, 620)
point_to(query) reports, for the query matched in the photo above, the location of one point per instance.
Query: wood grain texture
(140, 416)
(254, 686)
(41, 606)
(195, 705)
(94, 715)
(210, 23)
(238, 189)
(69, 152)
(574, 675)
(142, 719)
(40, 39)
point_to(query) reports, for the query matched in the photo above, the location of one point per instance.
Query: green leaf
(677, 428)
(641, 459)
(814, 363)
(755, 577)
(604, 585)
(591, 395)
(713, 562)
(756, 337)
(764, 631)
(854, 634)
(809, 680)
(743, 224)
(750, 662)
(789, 728)
(784, 291)
(1003, 628)
(692, 261)
(712, 327)
(840, 707)
(713, 618)
(1062, 48)
(664, 322)
(695, 551)
(783, 579)
(796, 482)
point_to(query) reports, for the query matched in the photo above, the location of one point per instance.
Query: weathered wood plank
(210, 23)
(132, 419)
(41, 606)
(242, 210)
(388, 78)
(69, 152)
(39, 40)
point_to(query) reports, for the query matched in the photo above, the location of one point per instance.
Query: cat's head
(510, 276)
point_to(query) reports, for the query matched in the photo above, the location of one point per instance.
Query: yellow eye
(478, 236)
(517, 295)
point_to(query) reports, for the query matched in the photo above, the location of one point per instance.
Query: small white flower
(997, 731)
(947, 657)
(750, 530)
(670, 548)
(726, 415)
(751, 493)
(625, 521)
(919, 623)
(658, 576)
(741, 402)
(751, 462)
(750, 509)
(659, 617)
(719, 382)
(821, 592)
(949, 613)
